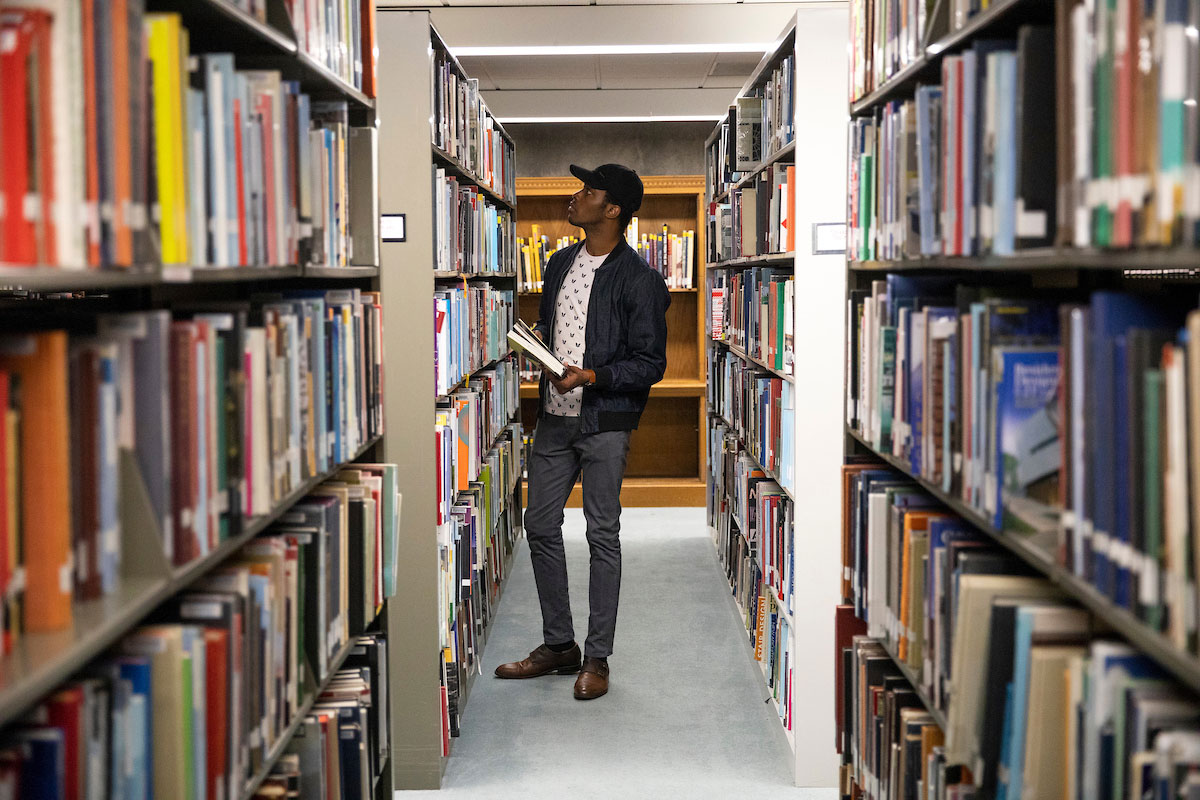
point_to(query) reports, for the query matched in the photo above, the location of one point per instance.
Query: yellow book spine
(162, 42)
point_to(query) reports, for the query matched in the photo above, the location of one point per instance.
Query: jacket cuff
(603, 377)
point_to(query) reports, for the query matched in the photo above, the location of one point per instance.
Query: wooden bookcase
(667, 453)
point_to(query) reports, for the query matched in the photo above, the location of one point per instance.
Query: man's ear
(612, 211)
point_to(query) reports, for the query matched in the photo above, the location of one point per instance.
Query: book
(522, 338)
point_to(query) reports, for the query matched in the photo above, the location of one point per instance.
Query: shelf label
(392, 227)
(828, 238)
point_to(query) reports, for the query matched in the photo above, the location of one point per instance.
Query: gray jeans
(559, 455)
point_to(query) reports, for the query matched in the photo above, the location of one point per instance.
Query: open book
(522, 338)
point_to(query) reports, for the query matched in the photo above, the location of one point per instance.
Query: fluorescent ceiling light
(612, 49)
(642, 118)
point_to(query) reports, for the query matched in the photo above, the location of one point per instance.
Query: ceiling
(716, 45)
(640, 71)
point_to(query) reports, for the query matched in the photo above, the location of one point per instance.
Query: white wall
(821, 39)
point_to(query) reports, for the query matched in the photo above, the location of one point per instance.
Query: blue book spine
(1119, 582)
(110, 548)
(137, 672)
(1013, 760)
(43, 773)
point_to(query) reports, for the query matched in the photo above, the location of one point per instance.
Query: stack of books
(534, 253)
(221, 414)
(966, 167)
(672, 255)
(1005, 686)
(475, 539)
(472, 235)
(470, 327)
(752, 517)
(758, 406)
(340, 749)
(752, 311)
(205, 165)
(466, 130)
(192, 703)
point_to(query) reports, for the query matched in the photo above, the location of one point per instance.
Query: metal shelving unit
(40, 662)
(1183, 665)
(408, 282)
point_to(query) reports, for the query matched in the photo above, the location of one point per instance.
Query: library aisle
(685, 716)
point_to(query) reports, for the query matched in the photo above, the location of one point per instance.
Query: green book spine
(886, 384)
(189, 749)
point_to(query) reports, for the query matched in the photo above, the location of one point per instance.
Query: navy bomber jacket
(626, 337)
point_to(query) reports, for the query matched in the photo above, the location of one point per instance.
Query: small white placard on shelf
(829, 238)
(391, 227)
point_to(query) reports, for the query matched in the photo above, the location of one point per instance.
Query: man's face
(588, 206)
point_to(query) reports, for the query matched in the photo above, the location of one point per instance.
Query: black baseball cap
(622, 184)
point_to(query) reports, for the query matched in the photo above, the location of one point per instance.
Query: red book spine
(268, 137)
(65, 711)
(241, 183)
(123, 123)
(216, 684)
(18, 244)
(43, 114)
(183, 432)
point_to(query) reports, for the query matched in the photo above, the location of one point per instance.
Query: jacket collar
(613, 254)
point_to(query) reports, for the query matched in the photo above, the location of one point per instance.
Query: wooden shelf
(1183, 665)
(652, 493)
(42, 661)
(669, 387)
(669, 441)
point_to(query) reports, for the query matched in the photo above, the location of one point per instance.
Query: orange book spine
(123, 125)
(40, 363)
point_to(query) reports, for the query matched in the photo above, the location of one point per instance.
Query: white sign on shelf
(391, 227)
(829, 238)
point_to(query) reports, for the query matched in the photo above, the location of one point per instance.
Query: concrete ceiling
(638, 71)
(701, 82)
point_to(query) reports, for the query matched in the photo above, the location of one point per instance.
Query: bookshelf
(92, 298)
(667, 453)
(411, 155)
(750, 413)
(774, 349)
(1099, 269)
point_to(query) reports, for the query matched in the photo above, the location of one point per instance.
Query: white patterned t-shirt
(570, 325)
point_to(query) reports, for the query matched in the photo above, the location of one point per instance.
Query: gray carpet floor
(685, 716)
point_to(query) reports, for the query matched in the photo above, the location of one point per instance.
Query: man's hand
(574, 377)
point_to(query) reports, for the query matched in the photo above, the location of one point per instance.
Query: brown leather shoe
(542, 661)
(593, 679)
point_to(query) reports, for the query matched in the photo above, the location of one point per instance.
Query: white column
(821, 112)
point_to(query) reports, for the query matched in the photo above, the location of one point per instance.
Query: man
(603, 314)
